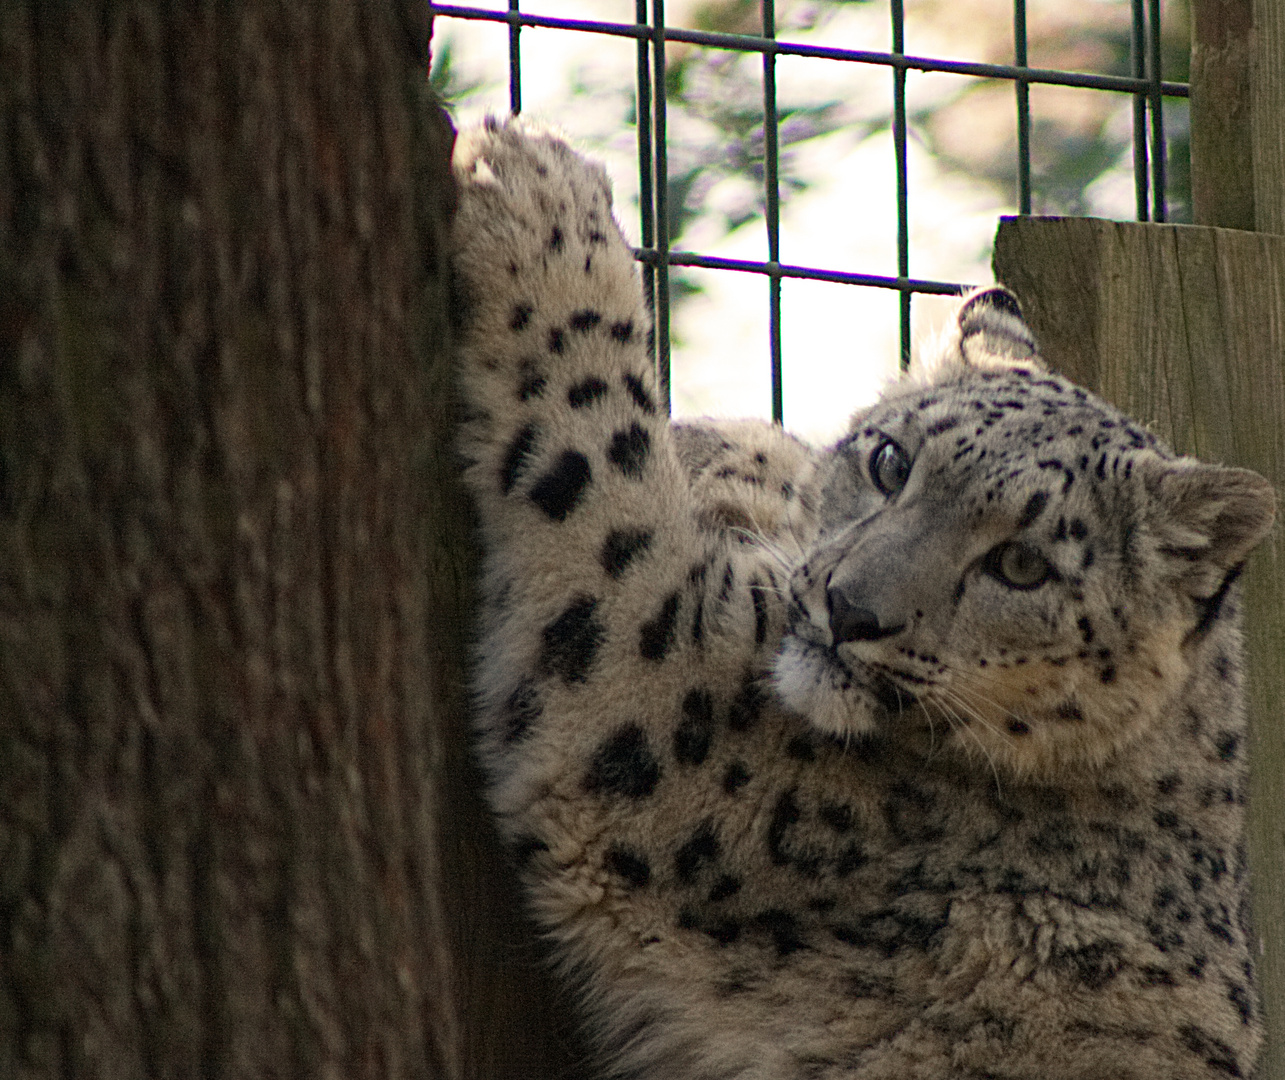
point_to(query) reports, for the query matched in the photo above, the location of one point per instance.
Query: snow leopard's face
(1012, 564)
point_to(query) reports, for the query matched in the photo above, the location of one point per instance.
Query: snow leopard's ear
(992, 332)
(1206, 518)
(989, 332)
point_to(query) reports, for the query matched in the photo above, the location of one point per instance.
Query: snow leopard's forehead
(1000, 431)
(1036, 406)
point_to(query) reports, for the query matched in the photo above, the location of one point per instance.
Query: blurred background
(837, 173)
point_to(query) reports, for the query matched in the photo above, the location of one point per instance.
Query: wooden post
(1238, 114)
(1268, 88)
(1184, 328)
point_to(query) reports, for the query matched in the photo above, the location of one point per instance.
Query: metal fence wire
(650, 32)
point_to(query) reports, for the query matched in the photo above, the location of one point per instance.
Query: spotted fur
(919, 757)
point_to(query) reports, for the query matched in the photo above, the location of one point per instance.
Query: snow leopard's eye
(889, 468)
(1019, 566)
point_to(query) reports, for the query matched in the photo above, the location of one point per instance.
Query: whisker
(973, 712)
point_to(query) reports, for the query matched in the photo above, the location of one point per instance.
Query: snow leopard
(919, 756)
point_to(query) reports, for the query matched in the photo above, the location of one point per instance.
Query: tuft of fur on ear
(1206, 518)
(989, 332)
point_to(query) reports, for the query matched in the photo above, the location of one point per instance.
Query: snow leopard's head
(1010, 563)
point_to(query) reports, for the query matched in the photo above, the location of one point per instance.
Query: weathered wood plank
(1238, 114)
(1222, 122)
(1269, 115)
(1184, 327)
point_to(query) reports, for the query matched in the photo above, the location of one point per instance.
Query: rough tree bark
(237, 834)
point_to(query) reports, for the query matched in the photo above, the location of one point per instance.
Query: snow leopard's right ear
(1206, 518)
(989, 332)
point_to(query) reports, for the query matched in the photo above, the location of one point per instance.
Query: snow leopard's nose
(850, 622)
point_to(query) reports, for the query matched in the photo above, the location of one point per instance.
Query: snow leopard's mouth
(893, 694)
(891, 689)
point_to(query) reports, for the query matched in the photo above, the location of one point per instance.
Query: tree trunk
(238, 836)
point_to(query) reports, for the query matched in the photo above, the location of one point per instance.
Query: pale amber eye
(1019, 566)
(889, 468)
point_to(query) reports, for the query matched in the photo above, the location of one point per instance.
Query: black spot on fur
(785, 813)
(557, 341)
(1068, 710)
(1211, 608)
(1034, 505)
(621, 548)
(521, 316)
(657, 635)
(1019, 727)
(571, 641)
(1079, 530)
(629, 450)
(639, 393)
(517, 454)
(838, 817)
(1086, 629)
(725, 589)
(747, 706)
(784, 930)
(726, 886)
(623, 332)
(941, 426)
(736, 777)
(624, 765)
(801, 748)
(1094, 964)
(629, 865)
(559, 490)
(696, 729)
(1217, 920)
(584, 321)
(1227, 744)
(700, 848)
(521, 710)
(532, 385)
(586, 392)
(556, 240)
(1217, 1054)
(760, 611)
(724, 931)
(698, 621)
(1157, 976)
(1239, 997)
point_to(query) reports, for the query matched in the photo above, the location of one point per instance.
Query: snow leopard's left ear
(1206, 518)
(989, 332)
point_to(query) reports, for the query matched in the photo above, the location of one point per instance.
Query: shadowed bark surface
(238, 829)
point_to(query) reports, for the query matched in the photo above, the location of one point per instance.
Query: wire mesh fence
(653, 36)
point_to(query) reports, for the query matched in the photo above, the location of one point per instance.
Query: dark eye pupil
(890, 468)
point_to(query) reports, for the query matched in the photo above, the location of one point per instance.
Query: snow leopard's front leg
(604, 598)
